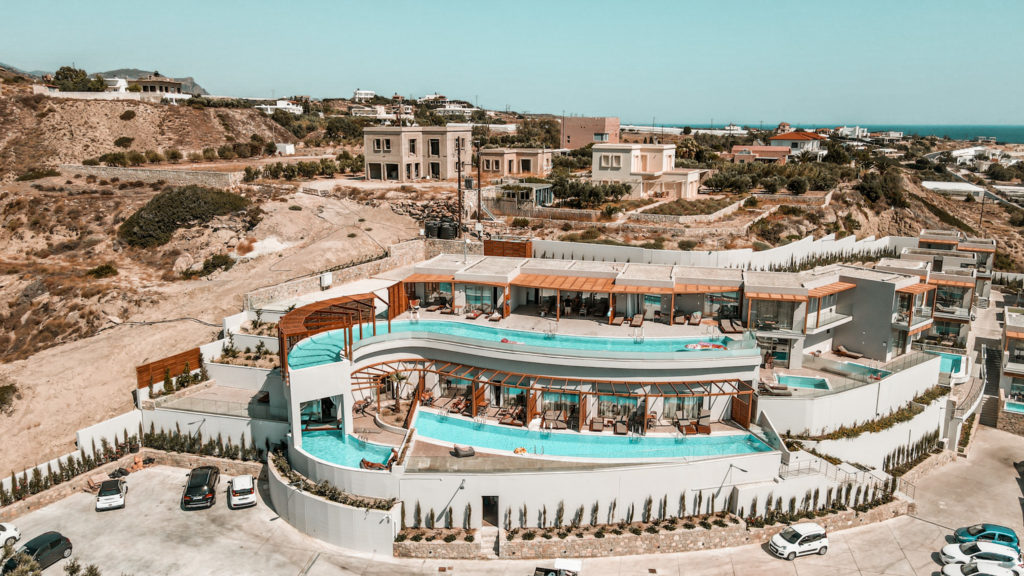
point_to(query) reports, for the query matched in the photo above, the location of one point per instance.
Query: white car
(799, 540)
(9, 534)
(111, 495)
(980, 568)
(241, 492)
(980, 550)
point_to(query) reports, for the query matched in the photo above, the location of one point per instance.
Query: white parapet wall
(365, 530)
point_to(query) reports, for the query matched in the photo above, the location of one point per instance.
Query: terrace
(838, 373)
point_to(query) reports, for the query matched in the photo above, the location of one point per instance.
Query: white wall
(233, 427)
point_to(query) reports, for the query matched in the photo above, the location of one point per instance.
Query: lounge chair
(447, 310)
(433, 308)
(704, 422)
(463, 451)
(596, 425)
(494, 317)
(637, 321)
(616, 321)
(474, 314)
(724, 326)
(842, 351)
(620, 428)
(695, 319)
(681, 319)
(686, 426)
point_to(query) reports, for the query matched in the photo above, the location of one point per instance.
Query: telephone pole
(479, 184)
(458, 170)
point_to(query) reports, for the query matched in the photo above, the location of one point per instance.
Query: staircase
(993, 367)
(488, 537)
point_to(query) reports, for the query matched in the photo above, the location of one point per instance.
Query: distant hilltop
(188, 83)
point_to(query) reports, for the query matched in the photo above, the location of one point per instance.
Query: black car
(45, 549)
(201, 489)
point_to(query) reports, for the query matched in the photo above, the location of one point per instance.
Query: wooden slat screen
(153, 373)
(508, 248)
(741, 409)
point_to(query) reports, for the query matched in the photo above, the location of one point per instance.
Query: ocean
(1002, 133)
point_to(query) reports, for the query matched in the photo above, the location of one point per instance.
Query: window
(412, 146)
(794, 145)
(376, 144)
(605, 161)
(387, 144)
(600, 137)
(616, 161)
(435, 147)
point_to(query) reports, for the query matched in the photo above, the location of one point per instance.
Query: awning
(957, 283)
(940, 241)
(430, 278)
(777, 297)
(1016, 335)
(920, 329)
(703, 289)
(568, 283)
(973, 249)
(829, 289)
(628, 289)
(915, 289)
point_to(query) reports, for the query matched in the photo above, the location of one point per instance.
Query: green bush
(127, 115)
(114, 159)
(8, 392)
(136, 158)
(91, 162)
(103, 271)
(686, 245)
(37, 173)
(216, 262)
(295, 207)
(124, 142)
(153, 156)
(520, 222)
(184, 207)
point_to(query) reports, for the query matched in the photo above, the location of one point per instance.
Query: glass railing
(826, 318)
(841, 377)
(959, 311)
(226, 408)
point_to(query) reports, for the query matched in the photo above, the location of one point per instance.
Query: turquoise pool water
(1015, 407)
(951, 363)
(335, 447)
(572, 444)
(324, 348)
(861, 369)
(804, 382)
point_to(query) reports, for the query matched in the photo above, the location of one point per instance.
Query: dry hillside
(36, 130)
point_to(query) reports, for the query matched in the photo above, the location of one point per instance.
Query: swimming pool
(1015, 407)
(862, 370)
(335, 447)
(951, 363)
(325, 348)
(462, 431)
(804, 382)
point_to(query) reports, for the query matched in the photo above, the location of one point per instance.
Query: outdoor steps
(989, 410)
(487, 536)
(993, 367)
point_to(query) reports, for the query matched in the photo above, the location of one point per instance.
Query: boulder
(183, 263)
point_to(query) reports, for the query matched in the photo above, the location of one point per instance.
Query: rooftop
(798, 136)
(964, 187)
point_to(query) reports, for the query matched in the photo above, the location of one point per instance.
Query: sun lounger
(463, 451)
(637, 321)
(842, 351)
(494, 317)
(695, 319)
(473, 314)
(433, 308)
(620, 428)
(737, 325)
(724, 326)
(446, 310)
(596, 425)
(686, 426)
(617, 321)
(681, 319)
(704, 422)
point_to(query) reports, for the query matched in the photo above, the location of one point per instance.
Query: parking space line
(309, 564)
(925, 520)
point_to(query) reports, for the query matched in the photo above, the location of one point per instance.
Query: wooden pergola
(374, 376)
(347, 313)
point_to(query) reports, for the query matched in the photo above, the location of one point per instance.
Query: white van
(799, 540)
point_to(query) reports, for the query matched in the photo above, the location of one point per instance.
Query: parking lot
(152, 535)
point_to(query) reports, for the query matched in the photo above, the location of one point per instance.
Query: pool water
(335, 447)
(573, 444)
(325, 348)
(951, 363)
(1016, 407)
(862, 370)
(804, 382)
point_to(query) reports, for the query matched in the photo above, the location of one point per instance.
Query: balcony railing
(826, 319)
(953, 311)
(921, 315)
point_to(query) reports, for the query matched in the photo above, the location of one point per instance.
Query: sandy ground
(74, 385)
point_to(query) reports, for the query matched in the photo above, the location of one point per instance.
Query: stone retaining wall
(1011, 422)
(435, 246)
(821, 201)
(511, 209)
(457, 550)
(931, 463)
(687, 219)
(171, 177)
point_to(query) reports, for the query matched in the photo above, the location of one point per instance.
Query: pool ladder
(638, 335)
(551, 330)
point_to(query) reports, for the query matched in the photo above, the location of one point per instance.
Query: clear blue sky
(867, 61)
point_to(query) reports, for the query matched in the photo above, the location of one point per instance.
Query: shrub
(127, 115)
(351, 234)
(114, 159)
(173, 154)
(797, 186)
(136, 158)
(449, 538)
(124, 142)
(103, 271)
(37, 173)
(8, 392)
(154, 156)
(216, 262)
(184, 207)
(295, 207)
(520, 222)
(469, 538)
(91, 162)
(687, 244)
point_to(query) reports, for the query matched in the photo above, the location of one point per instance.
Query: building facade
(579, 131)
(157, 83)
(648, 168)
(409, 153)
(514, 162)
(800, 143)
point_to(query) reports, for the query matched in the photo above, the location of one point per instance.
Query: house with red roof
(800, 143)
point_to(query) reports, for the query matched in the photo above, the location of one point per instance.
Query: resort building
(514, 162)
(285, 105)
(579, 131)
(382, 112)
(409, 153)
(157, 83)
(763, 154)
(800, 143)
(361, 96)
(649, 169)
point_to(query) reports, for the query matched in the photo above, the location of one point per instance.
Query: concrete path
(153, 536)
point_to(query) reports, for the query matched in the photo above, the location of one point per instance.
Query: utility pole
(479, 182)
(981, 216)
(458, 170)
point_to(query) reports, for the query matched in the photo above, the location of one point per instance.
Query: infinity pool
(951, 363)
(325, 348)
(335, 447)
(861, 369)
(573, 444)
(804, 382)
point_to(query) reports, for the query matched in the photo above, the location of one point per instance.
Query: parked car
(201, 488)
(111, 495)
(980, 550)
(799, 540)
(563, 567)
(978, 568)
(241, 492)
(988, 533)
(45, 549)
(9, 534)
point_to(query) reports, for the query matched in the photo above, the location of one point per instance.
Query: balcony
(962, 313)
(921, 317)
(826, 321)
(1013, 364)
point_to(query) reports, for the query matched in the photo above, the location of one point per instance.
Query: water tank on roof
(448, 230)
(431, 228)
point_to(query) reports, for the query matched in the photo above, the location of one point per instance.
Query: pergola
(342, 313)
(374, 376)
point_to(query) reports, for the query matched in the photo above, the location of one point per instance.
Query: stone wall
(510, 208)
(1011, 422)
(821, 201)
(435, 246)
(171, 177)
(690, 219)
(457, 550)
(398, 255)
(931, 463)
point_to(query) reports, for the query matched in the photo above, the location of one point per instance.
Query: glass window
(683, 407)
(617, 407)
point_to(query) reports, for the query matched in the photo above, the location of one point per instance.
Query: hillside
(188, 83)
(41, 131)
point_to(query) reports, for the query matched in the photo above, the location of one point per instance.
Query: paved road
(153, 536)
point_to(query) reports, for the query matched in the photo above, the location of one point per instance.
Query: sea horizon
(1004, 133)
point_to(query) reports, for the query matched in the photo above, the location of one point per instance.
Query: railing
(923, 347)
(813, 321)
(225, 408)
(954, 311)
(977, 386)
(840, 379)
(906, 488)
(828, 470)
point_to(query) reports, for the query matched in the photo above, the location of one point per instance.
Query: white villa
(286, 105)
(650, 169)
